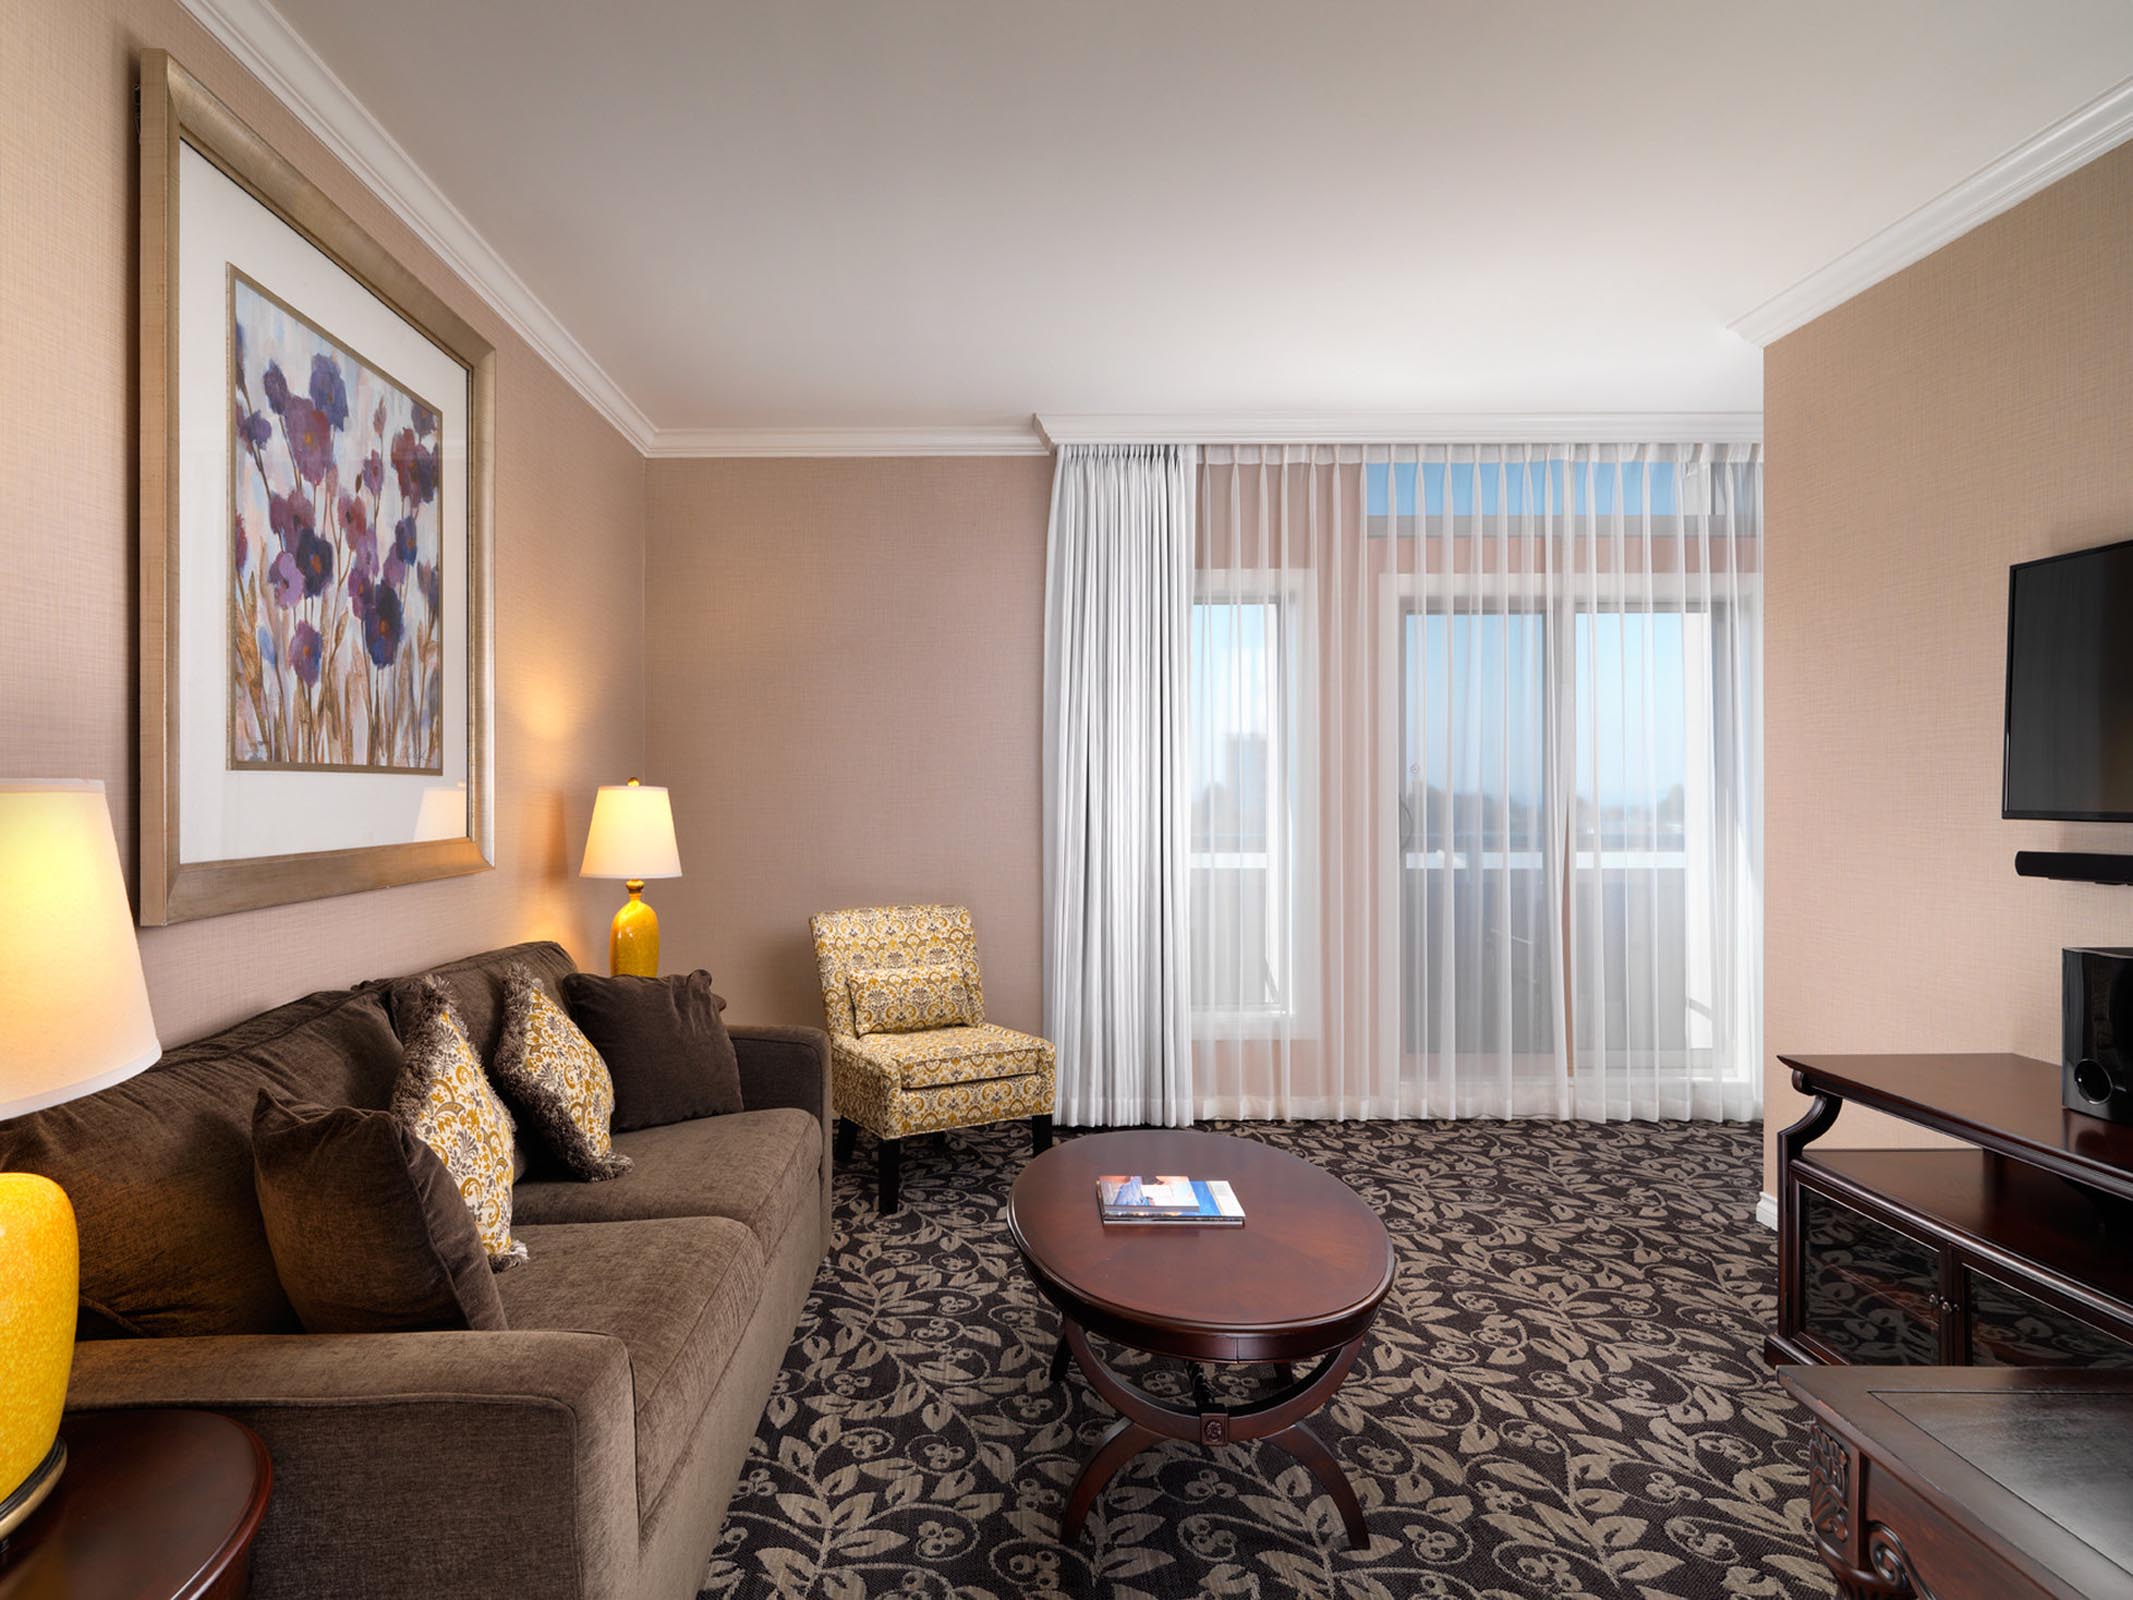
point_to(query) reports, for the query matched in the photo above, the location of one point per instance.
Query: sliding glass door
(1477, 875)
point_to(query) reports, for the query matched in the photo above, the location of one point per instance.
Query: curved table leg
(1300, 1441)
(1126, 1440)
(1277, 1418)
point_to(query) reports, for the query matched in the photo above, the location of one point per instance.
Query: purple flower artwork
(337, 643)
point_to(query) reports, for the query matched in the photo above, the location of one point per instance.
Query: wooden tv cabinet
(2015, 1252)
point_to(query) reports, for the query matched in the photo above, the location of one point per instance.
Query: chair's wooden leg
(1040, 1133)
(890, 1177)
(847, 1138)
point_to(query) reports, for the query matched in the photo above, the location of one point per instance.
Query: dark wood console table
(1942, 1483)
(2015, 1252)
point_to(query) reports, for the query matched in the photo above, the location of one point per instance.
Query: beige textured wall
(569, 535)
(846, 678)
(1973, 411)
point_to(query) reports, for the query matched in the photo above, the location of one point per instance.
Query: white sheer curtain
(1117, 603)
(1475, 806)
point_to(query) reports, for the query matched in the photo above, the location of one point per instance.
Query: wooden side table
(1970, 1483)
(152, 1504)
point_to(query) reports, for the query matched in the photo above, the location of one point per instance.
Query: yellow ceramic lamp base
(633, 937)
(40, 1269)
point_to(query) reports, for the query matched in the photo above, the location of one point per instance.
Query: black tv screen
(2069, 751)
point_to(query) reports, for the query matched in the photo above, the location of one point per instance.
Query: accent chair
(910, 1049)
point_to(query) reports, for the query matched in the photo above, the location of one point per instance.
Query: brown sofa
(589, 1450)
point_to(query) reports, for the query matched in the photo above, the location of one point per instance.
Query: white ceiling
(953, 213)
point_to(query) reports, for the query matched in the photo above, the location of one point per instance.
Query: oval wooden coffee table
(1300, 1281)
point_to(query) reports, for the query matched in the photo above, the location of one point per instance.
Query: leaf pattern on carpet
(1564, 1395)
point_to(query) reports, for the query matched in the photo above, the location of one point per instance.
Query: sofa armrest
(477, 1464)
(783, 1066)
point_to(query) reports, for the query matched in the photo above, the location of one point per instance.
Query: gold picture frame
(177, 111)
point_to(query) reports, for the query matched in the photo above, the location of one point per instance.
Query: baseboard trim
(1766, 1211)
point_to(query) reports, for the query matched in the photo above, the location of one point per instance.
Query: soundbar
(2074, 866)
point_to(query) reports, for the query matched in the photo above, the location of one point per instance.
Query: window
(1243, 892)
(1476, 874)
(1641, 832)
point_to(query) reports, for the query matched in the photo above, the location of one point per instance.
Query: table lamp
(632, 838)
(74, 1018)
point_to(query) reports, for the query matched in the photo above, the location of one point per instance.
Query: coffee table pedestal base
(1278, 1418)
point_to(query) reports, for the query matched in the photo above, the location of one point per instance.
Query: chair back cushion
(891, 936)
(916, 999)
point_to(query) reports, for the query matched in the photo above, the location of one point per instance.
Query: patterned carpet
(1564, 1396)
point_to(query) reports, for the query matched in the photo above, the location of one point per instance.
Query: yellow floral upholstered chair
(910, 1049)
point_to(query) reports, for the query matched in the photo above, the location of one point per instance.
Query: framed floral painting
(315, 614)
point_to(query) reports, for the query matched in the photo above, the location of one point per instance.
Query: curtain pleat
(1118, 609)
(1473, 810)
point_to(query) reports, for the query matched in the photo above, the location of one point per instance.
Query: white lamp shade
(632, 834)
(74, 1014)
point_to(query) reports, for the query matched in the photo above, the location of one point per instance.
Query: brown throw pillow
(549, 1070)
(368, 1230)
(665, 1045)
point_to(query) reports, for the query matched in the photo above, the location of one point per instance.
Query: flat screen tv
(2069, 737)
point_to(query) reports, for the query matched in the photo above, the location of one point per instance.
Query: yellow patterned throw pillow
(552, 1073)
(931, 994)
(446, 1098)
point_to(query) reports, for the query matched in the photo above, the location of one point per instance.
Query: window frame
(1291, 866)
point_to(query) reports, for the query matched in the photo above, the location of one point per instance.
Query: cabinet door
(2010, 1327)
(1872, 1295)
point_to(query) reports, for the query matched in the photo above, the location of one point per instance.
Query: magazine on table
(1168, 1199)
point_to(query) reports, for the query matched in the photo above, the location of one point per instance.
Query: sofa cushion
(759, 1168)
(664, 1043)
(677, 1291)
(368, 1229)
(950, 1055)
(159, 1168)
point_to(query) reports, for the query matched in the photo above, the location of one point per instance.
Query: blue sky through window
(1390, 488)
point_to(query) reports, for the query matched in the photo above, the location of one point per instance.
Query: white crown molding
(1011, 439)
(1417, 427)
(1766, 1210)
(263, 41)
(261, 38)
(2038, 162)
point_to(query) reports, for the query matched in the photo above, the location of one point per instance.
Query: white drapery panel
(1475, 803)
(1117, 606)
